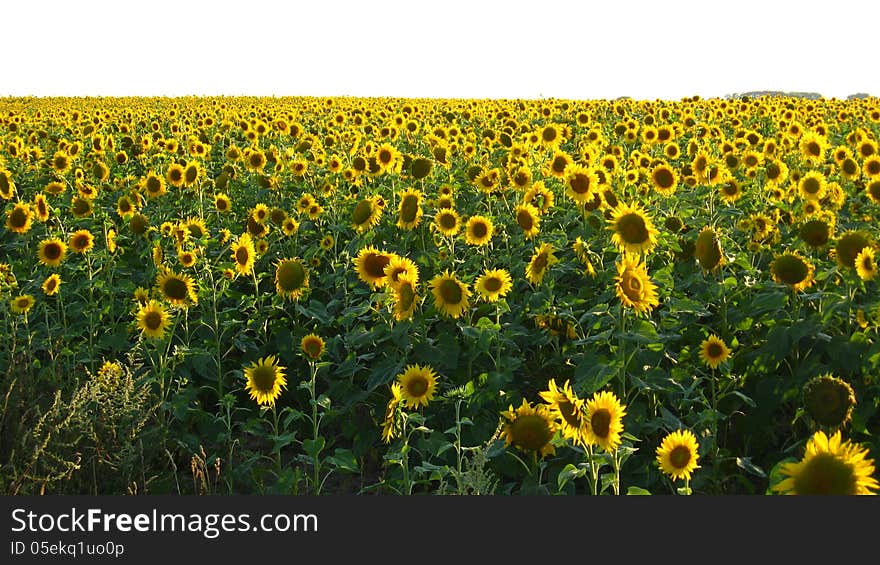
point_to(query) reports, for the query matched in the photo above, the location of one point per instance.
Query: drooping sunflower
(479, 230)
(19, 218)
(568, 411)
(713, 351)
(265, 380)
(450, 294)
(541, 260)
(81, 241)
(604, 418)
(707, 250)
(528, 219)
(493, 284)
(677, 454)
(244, 255)
(370, 264)
(829, 467)
(153, 319)
(866, 267)
(418, 383)
(22, 304)
(633, 230)
(848, 247)
(312, 346)
(409, 211)
(51, 252)
(634, 286)
(399, 266)
(447, 221)
(530, 428)
(177, 289)
(829, 400)
(792, 269)
(389, 422)
(405, 297)
(291, 278)
(41, 207)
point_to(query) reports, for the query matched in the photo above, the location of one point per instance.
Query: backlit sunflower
(713, 351)
(447, 221)
(528, 219)
(541, 260)
(817, 231)
(604, 419)
(418, 383)
(51, 252)
(866, 267)
(265, 380)
(22, 304)
(19, 218)
(677, 454)
(244, 255)
(633, 230)
(829, 401)
(312, 346)
(450, 294)
(530, 428)
(568, 411)
(409, 211)
(81, 241)
(177, 289)
(792, 269)
(41, 208)
(291, 278)
(370, 264)
(51, 285)
(493, 284)
(478, 230)
(153, 319)
(829, 467)
(405, 297)
(634, 287)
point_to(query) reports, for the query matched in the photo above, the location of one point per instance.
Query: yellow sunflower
(829, 401)
(604, 419)
(153, 319)
(366, 214)
(389, 423)
(399, 266)
(450, 294)
(634, 287)
(419, 383)
(312, 346)
(409, 211)
(370, 264)
(542, 259)
(580, 182)
(222, 203)
(792, 269)
(866, 267)
(176, 288)
(19, 218)
(51, 252)
(568, 410)
(664, 179)
(633, 230)
(447, 221)
(528, 219)
(479, 230)
(244, 255)
(81, 241)
(51, 285)
(829, 467)
(493, 284)
(677, 454)
(265, 380)
(22, 304)
(713, 351)
(405, 297)
(291, 278)
(812, 186)
(530, 428)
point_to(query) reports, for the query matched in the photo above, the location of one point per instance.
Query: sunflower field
(291, 295)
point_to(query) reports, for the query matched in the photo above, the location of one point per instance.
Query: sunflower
(541, 260)
(7, 185)
(265, 379)
(174, 175)
(707, 249)
(290, 226)
(450, 294)
(312, 346)
(866, 267)
(633, 230)
(677, 454)
(580, 183)
(153, 319)
(528, 219)
(187, 259)
(493, 284)
(479, 230)
(370, 264)
(222, 203)
(530, 428)
(255, 160)
(418, 383)
(405, 297)
(829, 401)
(55, 188)
(176, 288)
(154, 185)
(81, 241)
(817, 231)
(22, 304)
(568, 411)
(19, 218)
(51, 284)
(41, 207)
(141, 295)
(604, 418)
(389, 422)
(634, 287)
(197, 228)
(447, 221)
(51, 252)
(713, 351)
(399, 266)
(291, 278)
(366, 214)
(792, 269)
(410, 209)
(848, 247)
(664, 179)
(244, 254)
(812, 186)
(829, 467)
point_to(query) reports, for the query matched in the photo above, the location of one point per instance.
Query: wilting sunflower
(419, 383)
(265, 380)
(291, 278)
(244, 255)
(707, 249)
(604, 418)
(51, 285)
(541, 260)
(713, 351)
(409, 211)
(567, 409)
(829, 401)
(530, 428)
(22, 304)
(370, 264)
(848, 247)
(366, 214)
(478, 230)
(450, 294)
(312, 346)
(405, 297)
(399, 266)
(633, 230)
(866, 267)
(792, 269)
(19, 218)
(447, 221)
(222, 203)
(677, 454)
(528, 219)
(153, 319)
(81, 241)
(634, 287)
(493, 284)
(176, 288)
(580, 183)
(389, 422)
(829, 467)
(51, 252)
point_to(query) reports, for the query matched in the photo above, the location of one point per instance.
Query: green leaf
(568, 473)
(313, 447)
(344, 460)
(638, 491)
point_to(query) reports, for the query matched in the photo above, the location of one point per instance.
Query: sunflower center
(447, 221)
(409, 208)
(175, 175)
(417, 386)
(600, 421)
(849, 166)
(539, 263)
(849, 246)
(374, 265)
(492, 284)
(811, 185)
(569, 413)
(714, 350)
(263, 379)
(153, 185)
(580, 183)
(153, 320)
(479, 229)
(530, 432)
(80, 242)
(242, 255)
(291, 275)
(663, 177)
(52, 251)
(524, 219)
(815, 233)
(680, 456)
(813, 149)
(175, 288)
(791, 270)
(632, 287)
(825, 474)
(559, 165)
(18, 218)
(632, 229)
(450, 291)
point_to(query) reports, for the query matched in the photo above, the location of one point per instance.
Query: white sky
(444, 48)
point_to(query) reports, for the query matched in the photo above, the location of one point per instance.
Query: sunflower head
(418, 384)
(793, 270)
(153, 319)
(829, 401)
(633, 230)
(370, 264)
(530, 428)
(291, 278)
(450, 294)
(22, 304)
(568, 410)
(177, 289)
(494, 284)
(541, 260)
(479, 230)
(817, 231)
(829, 467)
(265, 380)
(677, 454)
(713, 351)
(51, 285)
(312, 346)
(866, 266)
(707, 250)
(634, 287)
(848, 247)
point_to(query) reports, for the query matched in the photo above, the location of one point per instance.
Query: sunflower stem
(594, 471)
